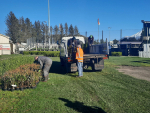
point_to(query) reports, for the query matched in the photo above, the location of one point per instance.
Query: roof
(6, 37)
(81, 38)
(145, 21)
(129, 42)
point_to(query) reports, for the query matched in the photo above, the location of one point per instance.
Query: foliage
(76, 31)
(45, 53)
(66, 29)
(116, 53)
(96, 42)
(14, 62)
(71, 30)
(23, 76)
(115, 41)
(12, 24)
(19, 30)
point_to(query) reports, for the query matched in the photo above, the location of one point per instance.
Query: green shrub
(23, 76)
(25, 53)
(45, 53)
(116, 53)
(14, 62)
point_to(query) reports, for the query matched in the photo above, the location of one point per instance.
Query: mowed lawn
(108, 91)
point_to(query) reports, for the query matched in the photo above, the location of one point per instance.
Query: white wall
(146, 47)
(4, 41)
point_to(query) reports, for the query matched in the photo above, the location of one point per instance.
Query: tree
(124, 39)
(76, 32)
(115, 41)
(96, 42)
(51, 32)
(56, 34)
(61, 29)
(71, 31)
(66, 29)
(12, 27)
(28, 28)
(22, 30)
(43, 30)
(37, 27)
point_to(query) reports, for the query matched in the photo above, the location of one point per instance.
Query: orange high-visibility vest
(79, 55)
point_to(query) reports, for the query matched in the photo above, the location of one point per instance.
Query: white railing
(144, 54)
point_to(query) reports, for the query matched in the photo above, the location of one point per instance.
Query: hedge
(45, 53)
(116, 53)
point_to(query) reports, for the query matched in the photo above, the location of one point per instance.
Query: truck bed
(94, 55)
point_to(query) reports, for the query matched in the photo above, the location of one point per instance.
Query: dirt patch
(137, 72)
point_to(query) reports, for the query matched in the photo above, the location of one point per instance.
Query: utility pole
(120, 35)
(102, 36)
(49, 24)
(98, 29)
(45, 36)
(147, 43)
(86, 33)
(109, 34)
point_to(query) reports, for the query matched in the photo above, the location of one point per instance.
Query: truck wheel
(93, 68)
(85, 67)
(62, 62)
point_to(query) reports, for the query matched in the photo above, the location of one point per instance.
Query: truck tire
(98, 66)
(94, 67)
(62, 62)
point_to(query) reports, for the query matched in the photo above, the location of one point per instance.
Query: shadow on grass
(143, 61)
(57, 68)
(80, 107)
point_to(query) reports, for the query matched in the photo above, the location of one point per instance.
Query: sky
(117, 14)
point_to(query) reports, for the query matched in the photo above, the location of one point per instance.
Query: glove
(39, 70)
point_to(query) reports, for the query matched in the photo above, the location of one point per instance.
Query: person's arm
(41, 63)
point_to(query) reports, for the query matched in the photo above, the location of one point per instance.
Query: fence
(144, 54)
(32, 44)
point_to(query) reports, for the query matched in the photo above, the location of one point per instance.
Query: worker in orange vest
(79, 58)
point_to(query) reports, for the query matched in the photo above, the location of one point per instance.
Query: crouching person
(45, 65)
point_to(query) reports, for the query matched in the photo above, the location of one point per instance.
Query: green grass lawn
(129, 61)
(8, 56)
(96, 92)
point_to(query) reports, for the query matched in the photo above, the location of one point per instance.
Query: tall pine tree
(66, 29)
(71, 31)
(76, 31)
(56, 34)
(12, 27)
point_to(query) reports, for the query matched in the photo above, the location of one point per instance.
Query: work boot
(45, 79)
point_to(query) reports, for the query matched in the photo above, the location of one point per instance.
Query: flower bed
(25, 76)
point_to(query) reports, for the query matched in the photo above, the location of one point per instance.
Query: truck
(94, 55)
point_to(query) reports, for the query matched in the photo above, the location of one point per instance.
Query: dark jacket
(44, 61)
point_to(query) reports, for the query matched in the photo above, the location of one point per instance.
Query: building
(6, 45)
(127, 48)
(146, 40)
(146, 29)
